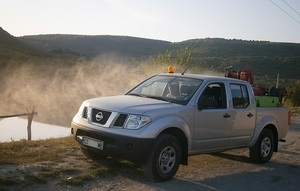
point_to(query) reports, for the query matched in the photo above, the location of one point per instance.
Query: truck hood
(129, 104)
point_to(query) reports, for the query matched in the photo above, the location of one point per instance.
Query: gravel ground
(231, 170)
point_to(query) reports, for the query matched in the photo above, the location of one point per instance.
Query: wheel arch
(267, 122)
(180, 135)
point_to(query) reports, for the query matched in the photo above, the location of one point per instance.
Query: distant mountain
(218, 47)
(262, 57)
(12, 48)
(97, 45)
(7, 39)
(140, 47)
(10, 45)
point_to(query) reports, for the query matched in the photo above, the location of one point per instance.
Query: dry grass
(43, 161)
(24, 152)
(56, 163)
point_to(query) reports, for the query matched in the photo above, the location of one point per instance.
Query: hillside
(96, 45)
(262, 57)
(11, 48)
(7, 41)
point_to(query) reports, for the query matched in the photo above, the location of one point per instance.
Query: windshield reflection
(174, 89)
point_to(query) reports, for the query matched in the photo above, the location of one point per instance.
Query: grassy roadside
(53, 162)
(24, 152)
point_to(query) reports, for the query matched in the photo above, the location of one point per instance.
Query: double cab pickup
(169, 116)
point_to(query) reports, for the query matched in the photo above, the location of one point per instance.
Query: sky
(170, 20)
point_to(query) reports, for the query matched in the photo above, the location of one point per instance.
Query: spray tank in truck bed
(272, 97)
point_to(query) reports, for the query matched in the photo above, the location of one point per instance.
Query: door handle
(250, 115)
(226, 115)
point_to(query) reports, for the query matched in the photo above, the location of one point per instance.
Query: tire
(263, 149)
(164, 159)
(92, 155)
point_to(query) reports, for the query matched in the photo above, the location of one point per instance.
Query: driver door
(212, 119)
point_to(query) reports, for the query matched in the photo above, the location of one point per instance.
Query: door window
(213, 97)
(240, 96)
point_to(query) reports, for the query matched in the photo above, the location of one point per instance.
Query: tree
(293, 96)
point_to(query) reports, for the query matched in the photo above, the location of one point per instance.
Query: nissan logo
(99, 116)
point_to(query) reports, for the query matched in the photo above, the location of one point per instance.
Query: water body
(15, 129)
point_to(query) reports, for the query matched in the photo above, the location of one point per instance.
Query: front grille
(100, 116)
(121, 120)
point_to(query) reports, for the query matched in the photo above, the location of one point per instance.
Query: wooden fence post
(30, 117)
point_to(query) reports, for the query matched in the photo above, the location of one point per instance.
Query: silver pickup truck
(170, 116)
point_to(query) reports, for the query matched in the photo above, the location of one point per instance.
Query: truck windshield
(175, 89)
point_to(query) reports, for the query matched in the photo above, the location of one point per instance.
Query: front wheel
(263, 149)
(164, 159)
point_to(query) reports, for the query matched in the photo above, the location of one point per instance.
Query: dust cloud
(55, 90)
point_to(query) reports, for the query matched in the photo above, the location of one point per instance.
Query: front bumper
(118, 146)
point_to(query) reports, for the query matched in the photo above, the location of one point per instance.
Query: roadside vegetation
(26, 152)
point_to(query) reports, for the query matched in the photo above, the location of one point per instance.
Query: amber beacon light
(171, 69)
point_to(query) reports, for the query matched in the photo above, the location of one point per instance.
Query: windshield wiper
(159, 98)
(152, 97)
(134, 94)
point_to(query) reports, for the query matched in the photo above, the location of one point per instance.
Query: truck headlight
(136, 121)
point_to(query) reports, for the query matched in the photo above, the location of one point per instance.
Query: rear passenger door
(243, 115)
